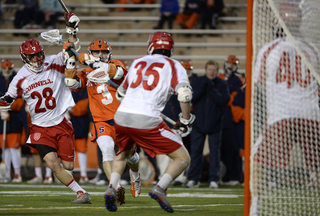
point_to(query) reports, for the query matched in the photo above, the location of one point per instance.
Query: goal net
(285, 114)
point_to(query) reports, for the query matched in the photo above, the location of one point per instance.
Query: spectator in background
(15, 120)
(80, 119)
(210, 95)
(168, 10)
(190, 15)
(211, 10)
(230, 146)
(38, 170)
(134, 2)
(25, 13)
(48, 13)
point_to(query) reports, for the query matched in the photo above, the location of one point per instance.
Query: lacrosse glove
(72, 22)
(184, 126)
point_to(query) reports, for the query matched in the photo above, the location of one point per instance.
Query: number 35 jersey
(291, 89)
(45, 93)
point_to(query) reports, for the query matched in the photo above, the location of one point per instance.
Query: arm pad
(184, 93)
(121, 92)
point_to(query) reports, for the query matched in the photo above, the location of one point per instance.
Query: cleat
(17, 179)
(160, 196)
(135, 185)
(83, 180)
(121, 195)
(35, 180)
(83, 198)
(94, 180)
(48, 180)
(110, 198)
(101, 182)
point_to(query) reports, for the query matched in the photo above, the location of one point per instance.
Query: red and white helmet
(7, 63)
(231, 64)
(100, 45)
(160, 41)
(32, 54)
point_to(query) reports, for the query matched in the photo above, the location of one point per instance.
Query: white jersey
(287, 80)
(150, 81)
(45, 92)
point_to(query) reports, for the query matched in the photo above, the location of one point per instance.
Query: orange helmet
(230, 69)
(101, 45)
(187, 64)
(7, 63)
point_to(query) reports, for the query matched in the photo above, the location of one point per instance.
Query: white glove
(5, 106)
(5, 115)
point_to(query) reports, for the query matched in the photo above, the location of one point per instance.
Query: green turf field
(55, 199)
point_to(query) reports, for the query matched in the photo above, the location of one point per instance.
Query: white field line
(105, 186)
(58, 193)
(122, 207)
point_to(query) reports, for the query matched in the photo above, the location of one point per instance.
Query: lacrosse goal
(282, 108)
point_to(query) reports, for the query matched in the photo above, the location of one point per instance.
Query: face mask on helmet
(32, 54)
(188, 66)
(100, 49)
(231, 65)
(161, 41)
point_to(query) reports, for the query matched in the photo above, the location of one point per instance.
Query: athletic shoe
(135, 185)
(101, 182)
(192, 184)
(17, 179)
(35, 180)
(110, 198)
(94, 180)
(213, 184)
(160, 196)
(121, 195)
(83, 180)
(230, 183)
(48, 180)
(82, 198)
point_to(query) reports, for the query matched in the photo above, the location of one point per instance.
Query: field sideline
(55, 199)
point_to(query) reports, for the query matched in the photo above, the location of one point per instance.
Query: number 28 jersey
(45, 93)
(291, 89)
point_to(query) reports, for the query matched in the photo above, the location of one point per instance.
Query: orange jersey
(102, 101)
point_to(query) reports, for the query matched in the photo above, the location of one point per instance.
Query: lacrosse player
(103, 105)
(14, 121)
(150, 81)
(41, 83)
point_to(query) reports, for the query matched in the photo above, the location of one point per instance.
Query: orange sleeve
(83, 78)
(237, 111)
(17, 105)
(81, 108)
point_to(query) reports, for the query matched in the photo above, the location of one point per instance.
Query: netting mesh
(285, 114)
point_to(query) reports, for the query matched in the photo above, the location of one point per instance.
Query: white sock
(38, 171)
(7, 161)
(82, 158)
(73, 185)
(165, 180)
(99, 171)
(135, 174)
(48, 172)
(114, 180)
(16, 160)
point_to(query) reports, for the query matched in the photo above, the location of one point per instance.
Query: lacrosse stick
(54, 38)
(63, 6)
(2, 165)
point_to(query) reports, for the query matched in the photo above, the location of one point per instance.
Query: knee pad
(134, 158)
(106, 145)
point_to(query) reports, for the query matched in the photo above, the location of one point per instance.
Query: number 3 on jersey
(107, 97)
(149, 71)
